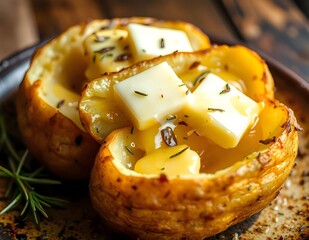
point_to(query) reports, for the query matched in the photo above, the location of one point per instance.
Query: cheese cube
(220, 112)
(108, 51)
(148, 41)
(151, 96)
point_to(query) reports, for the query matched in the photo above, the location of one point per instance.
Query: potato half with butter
(47, 104)
(163, 176)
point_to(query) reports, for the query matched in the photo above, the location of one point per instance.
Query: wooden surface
(277, 27)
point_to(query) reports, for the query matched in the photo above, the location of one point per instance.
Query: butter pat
(108, 51)
(148, 41)
(220, 112)
(149, 97)
(171, 161)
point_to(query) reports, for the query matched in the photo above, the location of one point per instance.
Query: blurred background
(279, 28)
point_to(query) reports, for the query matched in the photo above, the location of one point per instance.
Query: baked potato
(229, 185)
(47, 102)
(100, 114)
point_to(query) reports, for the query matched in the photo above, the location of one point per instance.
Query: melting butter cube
(220, 112)
(148, 41)
(108, 51)
(171, 161)
(150, 96)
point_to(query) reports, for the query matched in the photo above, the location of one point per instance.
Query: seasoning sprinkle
(101, 38)
(105, 50)
(226, 90)
(181, 85)
(171, 118)
(162, 168)
(106, 55)
(129, 150)
(132, 130)
(178, 153)
(268, 140)
(200, 77)
(215, 110)
(141, 93)
(194, 65)
(162, 43)
(60, 103)
(122, 57)
(94, 58)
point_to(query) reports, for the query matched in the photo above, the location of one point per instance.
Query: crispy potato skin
(191, 208)
(53, 138)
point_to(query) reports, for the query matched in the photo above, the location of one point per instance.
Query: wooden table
(276, 27)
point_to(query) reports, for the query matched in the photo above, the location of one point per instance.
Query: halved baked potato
(241, 67)
(193, 206)
(47, 103)
(230, 184)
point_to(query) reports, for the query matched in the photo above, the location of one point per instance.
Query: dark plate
(285, 218)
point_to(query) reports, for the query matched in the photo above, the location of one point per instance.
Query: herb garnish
(105, 50)
(178, 153)
(101, 38)
(162, 43)
(268, 140)
(226, 89)
(21, 183)
(129, 150)
(171, 118)
(200, 77)
(215, 109)
(141, 93)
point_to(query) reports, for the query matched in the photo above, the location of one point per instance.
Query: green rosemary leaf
(36, 172)
(40, 180)
(21, 163)
(178, 153)
(22, 187)
(6, 171)
(9, 188)
(12, 204)
(24, 208)
(200, 77)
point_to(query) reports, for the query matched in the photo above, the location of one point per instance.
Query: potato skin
(54, 139)
(190, 208)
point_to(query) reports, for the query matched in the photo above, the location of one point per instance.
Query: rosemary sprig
(20, 188)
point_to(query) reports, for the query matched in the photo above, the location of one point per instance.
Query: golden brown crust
(194, 208)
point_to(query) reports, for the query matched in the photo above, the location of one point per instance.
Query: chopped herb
(181, 85)
(194, 65)
(141, 93)
(60, 103)
(162, 44)
(171, 118)
(226, 90)
(162, 168)
(249, 187)
(162, 95)
(126, 47)
(94, 58)
(186, 116)
(122, 57)
(106, 55)
(101, 38)
(129, 150)
(183, 123)
(268, 140)
(200, 77)
(178, 153)
(105, 50)
(187, 92)
(215, 109)
(143, 50)
(168, 136)
(120, 38)
(132, 130)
